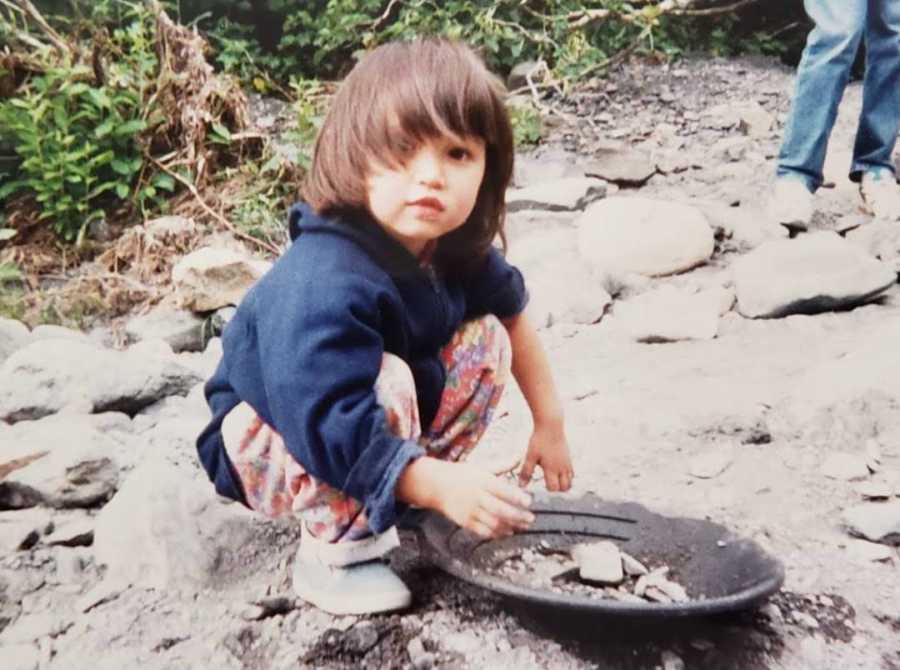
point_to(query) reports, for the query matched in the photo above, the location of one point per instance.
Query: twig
(712, 11)
(378, 23)
(218, 217)
(540, 38)
(618, 58)
(52, 35)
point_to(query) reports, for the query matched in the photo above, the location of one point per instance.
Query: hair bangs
(398, 96)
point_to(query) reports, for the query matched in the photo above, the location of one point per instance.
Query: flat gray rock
(557, 195)
(71, 461)
(620, 164)
(182, 330)
(813, 273)
(878, 522)
(51, 375)
(531, 169)
(670, 314)
(648, 237)
(213, 277)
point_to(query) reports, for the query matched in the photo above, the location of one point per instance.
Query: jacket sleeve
(496, 288)
(321, 353)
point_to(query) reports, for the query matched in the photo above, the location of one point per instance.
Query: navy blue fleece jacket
(305, 347)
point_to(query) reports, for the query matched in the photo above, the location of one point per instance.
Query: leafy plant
(76, 142)
(310, 102)
(526, 123)
(75, 125)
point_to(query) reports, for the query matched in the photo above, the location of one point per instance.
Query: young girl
(363, 368)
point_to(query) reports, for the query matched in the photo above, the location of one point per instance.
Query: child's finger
(480, 529)
(509, 493)
(506, 513)
(527, 470)
(551, 479)
(497, 526)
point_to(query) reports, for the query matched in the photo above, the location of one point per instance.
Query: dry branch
(54, 37)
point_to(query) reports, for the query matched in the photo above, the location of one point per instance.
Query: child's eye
(459, 153)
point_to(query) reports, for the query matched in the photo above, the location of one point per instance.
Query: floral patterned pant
(477, 360)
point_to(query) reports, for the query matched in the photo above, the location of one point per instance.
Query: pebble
(702, 644)
(424, 662)
(253, 613)
(599, 562)
(632, 566)
(804, 619)
(362, 637)
(415, 648)
(671, 661)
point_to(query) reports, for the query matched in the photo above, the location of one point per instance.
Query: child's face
(431, 193)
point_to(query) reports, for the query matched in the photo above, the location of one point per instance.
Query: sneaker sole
(372, 603)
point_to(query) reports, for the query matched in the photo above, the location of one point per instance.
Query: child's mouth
(428, 203)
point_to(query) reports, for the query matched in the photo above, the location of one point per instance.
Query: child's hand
(478, 501)
(549, 449)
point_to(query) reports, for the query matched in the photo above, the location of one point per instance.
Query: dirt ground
(769, 393)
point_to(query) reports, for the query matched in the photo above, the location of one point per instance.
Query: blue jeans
(822, 77)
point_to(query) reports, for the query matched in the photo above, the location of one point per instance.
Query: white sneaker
(880, 195)
(322, 577)
(791, 203)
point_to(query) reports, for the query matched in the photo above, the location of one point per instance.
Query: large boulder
(54, 374)
(813, 273)
(644, 236)
(213, 277)
(66, 460)
(167, 529)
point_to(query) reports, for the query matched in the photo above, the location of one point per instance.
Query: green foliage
(76, 132)
(526, 123)
(321, 38)
(9, 272)
(310, 101)
(76, 142)
(260, 206)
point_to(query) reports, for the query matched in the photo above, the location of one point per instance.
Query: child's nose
(429, 169)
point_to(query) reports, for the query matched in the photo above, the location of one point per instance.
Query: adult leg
(822, 76)
(879, 121)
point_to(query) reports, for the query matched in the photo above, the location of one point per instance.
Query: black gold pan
(721, 571)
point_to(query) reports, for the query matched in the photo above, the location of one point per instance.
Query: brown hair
(396, 96)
